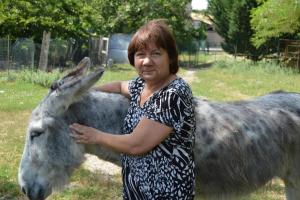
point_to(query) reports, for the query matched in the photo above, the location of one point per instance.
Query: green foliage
(127, 16)
(192, 44)
(38, 77)
(232, 23)
(80, 19)
(232, 20)
(274, 18)
(63, 18)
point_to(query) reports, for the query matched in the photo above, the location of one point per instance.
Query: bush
(38, 77)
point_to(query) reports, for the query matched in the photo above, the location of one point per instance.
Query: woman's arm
(119, 87)
(145, 137)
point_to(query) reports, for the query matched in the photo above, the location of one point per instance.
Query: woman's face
(152, 63)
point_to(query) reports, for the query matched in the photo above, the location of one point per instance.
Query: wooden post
(278, 51)
(298, 61)
(43, 62)
(8, 55)
(235, 50)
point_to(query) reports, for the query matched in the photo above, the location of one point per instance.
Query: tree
(119, 16)
(232, 20)
(274, 18)
(63, 18)
(59, 18)
(81, 19)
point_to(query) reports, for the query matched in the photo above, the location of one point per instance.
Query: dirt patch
(190, 75)
(94, 164)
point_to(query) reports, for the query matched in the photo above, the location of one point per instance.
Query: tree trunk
(43, 62)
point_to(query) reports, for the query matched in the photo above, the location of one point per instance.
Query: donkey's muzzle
(36, 192)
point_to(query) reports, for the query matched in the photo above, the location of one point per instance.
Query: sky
(199, 4)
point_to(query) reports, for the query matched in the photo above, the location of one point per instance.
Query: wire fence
(25, 53)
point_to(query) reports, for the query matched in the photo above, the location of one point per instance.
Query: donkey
(239, 146)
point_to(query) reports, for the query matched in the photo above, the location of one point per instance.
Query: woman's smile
(148, 71)
(152, 63)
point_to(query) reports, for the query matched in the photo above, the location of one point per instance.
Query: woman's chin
(148, 76)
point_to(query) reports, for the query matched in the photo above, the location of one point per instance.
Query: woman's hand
(146, 135)
(84, 134)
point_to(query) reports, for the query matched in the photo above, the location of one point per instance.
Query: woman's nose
(147, 60)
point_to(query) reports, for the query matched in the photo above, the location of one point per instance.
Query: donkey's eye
(34, 134)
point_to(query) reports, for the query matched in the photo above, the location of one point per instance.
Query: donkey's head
(50, 155)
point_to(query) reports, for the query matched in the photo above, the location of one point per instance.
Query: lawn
(17, 98)
(236, 80)
(225, 80)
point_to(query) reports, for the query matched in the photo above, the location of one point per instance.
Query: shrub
(38, 77)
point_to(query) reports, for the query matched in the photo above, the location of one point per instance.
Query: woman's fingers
(77, 129)
(82, 134)
(75, 135)
(78, 138)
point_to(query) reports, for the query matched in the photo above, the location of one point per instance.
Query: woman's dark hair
(157, 32)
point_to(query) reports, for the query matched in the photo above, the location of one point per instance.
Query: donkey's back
(242, 145)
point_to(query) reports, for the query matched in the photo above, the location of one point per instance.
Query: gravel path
(190, 76)
(94, 164)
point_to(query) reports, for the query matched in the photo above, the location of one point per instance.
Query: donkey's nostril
(23, 190)
(35, 192)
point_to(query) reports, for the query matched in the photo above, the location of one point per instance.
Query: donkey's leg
(292, 175)
(292, 181)
(292, 189)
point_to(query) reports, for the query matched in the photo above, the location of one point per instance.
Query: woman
(158, 133)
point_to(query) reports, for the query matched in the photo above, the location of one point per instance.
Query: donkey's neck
(103, 111)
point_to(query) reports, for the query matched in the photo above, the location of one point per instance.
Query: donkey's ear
(79, 70)
(68, 89)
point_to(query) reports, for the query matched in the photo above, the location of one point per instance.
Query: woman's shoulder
(136, 81)
(180, 87)
(136, 84)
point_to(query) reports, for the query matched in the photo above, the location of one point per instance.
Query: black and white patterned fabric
(167, 171)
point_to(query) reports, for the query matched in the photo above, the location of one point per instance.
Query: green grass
(19, 95)
(37, 77)
(118, 73)
(225, 80)
(21, 90)
(12, 132)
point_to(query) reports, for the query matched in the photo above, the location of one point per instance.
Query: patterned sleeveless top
(167, 171)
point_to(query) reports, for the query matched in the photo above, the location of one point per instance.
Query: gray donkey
(239, 146)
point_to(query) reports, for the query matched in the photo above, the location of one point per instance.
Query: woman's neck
(153, 86)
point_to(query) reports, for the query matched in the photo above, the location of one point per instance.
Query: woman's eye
(155, 54)
(139, 55)
(35, 134)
